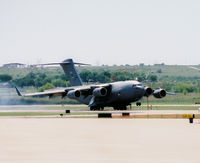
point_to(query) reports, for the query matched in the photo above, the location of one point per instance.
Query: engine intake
(100, 92)
(159, 93)
(74, 94)
(148, 91)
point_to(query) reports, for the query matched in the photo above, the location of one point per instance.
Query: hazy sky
(100, 32)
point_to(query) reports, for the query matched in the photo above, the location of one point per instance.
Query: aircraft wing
(50, 93)
(171, 93)
(194, 68)
(85, 90)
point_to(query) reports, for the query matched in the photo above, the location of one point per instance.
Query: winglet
(172, 92)
(18, 92)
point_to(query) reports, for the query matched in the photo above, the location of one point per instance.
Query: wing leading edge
(50, 93)
(84, 90)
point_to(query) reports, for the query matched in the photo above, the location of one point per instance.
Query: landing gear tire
(92, 108)
(102, 108)
(138, 103)
(120, 108)
(123, 108)
(96, 108)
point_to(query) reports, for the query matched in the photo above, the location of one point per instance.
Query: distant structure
(161, 64)
(19, 65)
(33, 66)
(5, 85)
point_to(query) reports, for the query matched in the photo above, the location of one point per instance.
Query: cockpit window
(134, 85)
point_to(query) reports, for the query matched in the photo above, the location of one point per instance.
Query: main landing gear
(93, 108)
(123, 107)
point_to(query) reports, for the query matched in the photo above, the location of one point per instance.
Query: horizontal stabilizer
(172, 92)
(60, 63)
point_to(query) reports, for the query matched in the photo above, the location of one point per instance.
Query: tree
(122, 76)
(183, 87)
(59, 83)
(185, 91)
(86, 75)
(5, 77)
(159, 71)
(46, 86)
(152, 78)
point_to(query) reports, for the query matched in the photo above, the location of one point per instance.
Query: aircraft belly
(84, 99)
(119, 95)
(127, 96)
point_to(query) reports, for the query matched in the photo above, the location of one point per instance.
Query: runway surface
(52, 138)
(62, 140)
(82, 111)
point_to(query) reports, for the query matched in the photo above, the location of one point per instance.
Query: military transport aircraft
(117, 94)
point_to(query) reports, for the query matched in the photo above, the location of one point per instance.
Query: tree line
(42, 81)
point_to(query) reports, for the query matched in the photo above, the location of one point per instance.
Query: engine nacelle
(148, 91)
(73, 94)
(98, 92)
(159, 93)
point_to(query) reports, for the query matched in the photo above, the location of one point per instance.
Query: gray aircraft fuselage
(120, 94)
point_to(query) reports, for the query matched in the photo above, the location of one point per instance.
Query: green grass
(169, 70)
(144, 107)
(43, 113)
(40, 114)
(179, 99)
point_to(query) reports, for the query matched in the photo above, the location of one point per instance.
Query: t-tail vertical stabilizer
(71, 72)
(69, 69)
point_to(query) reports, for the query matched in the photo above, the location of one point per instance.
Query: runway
(64, 140)
(82, 111)
(81, 137)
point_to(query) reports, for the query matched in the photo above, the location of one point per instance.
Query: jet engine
(98, 92)
(159, 93)
(148, 91)
(74, 94)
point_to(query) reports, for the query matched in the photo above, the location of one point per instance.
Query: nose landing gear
(138, 103)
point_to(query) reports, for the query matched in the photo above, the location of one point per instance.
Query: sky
(100, 31)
